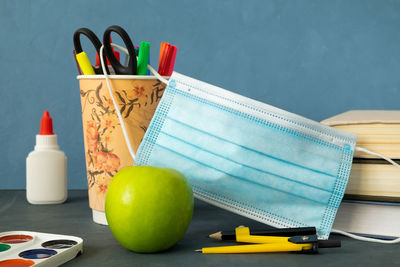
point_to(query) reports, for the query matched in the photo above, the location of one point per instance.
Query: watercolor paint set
(23, 249)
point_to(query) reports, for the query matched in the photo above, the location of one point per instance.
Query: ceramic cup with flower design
(105, 148)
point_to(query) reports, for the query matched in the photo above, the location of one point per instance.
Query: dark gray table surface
(101, 249)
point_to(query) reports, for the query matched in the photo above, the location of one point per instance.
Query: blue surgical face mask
(248, 157)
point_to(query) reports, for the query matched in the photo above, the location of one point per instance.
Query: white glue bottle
(46, 168)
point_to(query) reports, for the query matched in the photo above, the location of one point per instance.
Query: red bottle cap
(46, 124)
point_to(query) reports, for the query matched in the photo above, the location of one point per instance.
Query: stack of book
(371, 204)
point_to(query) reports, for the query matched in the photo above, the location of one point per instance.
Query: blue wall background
(313, 58)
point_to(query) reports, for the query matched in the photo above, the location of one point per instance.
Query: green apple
(148, 209)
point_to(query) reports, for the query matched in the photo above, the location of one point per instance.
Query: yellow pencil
(277, 247)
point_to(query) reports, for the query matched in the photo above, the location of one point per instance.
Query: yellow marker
(243, 236)
(85, 64)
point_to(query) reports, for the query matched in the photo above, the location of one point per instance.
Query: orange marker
(162, 49)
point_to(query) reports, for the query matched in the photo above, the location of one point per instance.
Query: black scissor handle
(93, 39)
(131, 69)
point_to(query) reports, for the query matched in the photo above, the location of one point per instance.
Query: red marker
(166, 58)
(171, 62)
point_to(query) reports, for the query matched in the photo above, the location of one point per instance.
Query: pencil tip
(217, 235)
(198, 250)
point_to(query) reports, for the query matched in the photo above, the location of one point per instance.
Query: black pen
(273, 232)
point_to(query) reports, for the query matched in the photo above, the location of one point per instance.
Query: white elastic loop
(155, 73)
(128, 143)
(369, 239)
(377, 155)
(120, 48)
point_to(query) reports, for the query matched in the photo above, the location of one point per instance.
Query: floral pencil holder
(106, 151)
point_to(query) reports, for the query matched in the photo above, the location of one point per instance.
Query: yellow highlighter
(84, 64)
(301, 243)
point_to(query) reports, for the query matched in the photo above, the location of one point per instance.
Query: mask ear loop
(370, 239)
(377, 155)
(121, 121)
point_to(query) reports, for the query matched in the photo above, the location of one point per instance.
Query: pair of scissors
(129, 69)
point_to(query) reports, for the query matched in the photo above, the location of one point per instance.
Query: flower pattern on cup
(139, 90)
(102, 163)
(101, 120)
(105, 161)
(92, 136)
(102, 183)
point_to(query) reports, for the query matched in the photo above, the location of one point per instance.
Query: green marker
(143, 59)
